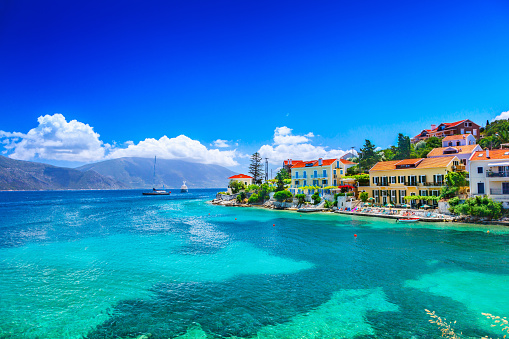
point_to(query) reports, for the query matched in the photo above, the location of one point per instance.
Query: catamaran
(154, 190)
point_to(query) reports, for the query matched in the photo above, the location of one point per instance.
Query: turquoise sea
(116, 264)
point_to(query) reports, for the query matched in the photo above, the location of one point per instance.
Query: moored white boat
(408, 219)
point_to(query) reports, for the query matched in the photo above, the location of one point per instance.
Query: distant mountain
(139, 173)
(26, 175)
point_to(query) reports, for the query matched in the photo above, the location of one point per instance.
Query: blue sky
(238, 71)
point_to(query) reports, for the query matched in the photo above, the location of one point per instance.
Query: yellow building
(321, 173)
(391, 181)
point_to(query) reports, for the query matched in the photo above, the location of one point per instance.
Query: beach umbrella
(425, 206)
(389, 205)
(367, 204)
(406, 205)
(371, 198)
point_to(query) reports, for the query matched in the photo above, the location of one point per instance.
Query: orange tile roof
(384, 165)
(455, 137)
(423, 163)
(240, 176)
(495, 154)
(409, 161)
(325, 162)
(467, 149)
(436, 162)
(347, 162)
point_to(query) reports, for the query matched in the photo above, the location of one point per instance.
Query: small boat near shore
(407, 220)
(307, 210)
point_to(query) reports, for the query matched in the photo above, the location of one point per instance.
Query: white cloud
(56, 139)
(221, 143)
(289, 146)
(180, 147)
(502, 116)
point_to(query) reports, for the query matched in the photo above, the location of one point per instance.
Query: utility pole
(266, 169)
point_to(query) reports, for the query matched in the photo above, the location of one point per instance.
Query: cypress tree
(256, 168)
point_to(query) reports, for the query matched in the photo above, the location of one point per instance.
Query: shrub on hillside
(316, 198)
(283, 196)
(253, 198)
(482, 207)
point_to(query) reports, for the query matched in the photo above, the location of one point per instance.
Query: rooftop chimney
(433, 126)
(289, 161)
(320, 162)
(487, 153)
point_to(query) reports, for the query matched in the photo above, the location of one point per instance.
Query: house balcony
(458, 168)
(299, 178)
(319, 176)
(497, 174)
(432, 184)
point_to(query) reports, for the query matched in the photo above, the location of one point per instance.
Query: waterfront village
(455, 171)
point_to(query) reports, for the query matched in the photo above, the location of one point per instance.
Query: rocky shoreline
(287, 206)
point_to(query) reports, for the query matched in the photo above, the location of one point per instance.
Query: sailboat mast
(154, 180)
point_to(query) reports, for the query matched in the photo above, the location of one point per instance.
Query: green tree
(281, 176)
(263, 192)
(301, 198)
(253, 198)
(316, 198)
(403, 149)
(283, 196)
(236, 186)
(369, 156)
(256, 168)
(453, 182)
(478, 206)
(364, 196)
(241, 197)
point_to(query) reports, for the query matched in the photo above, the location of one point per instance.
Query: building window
(324, 182)
(479, 169)
(393, 180)
(296, 175)
(334, 171)
(475, 131)
(296, 182)
(305, 183)
(324, 173)
(341, 171)
(315, 173)
(304, 174)
(480, 188)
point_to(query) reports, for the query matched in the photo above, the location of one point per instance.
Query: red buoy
(235, 218)
(355, 235)
(273, 225)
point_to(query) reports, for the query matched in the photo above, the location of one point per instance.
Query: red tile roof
(293, 162)
(495, 154)
(325, 162)
(240, 176)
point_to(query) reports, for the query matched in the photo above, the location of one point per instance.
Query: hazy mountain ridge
(27, 175)
(139, 173)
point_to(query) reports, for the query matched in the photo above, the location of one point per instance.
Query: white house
(458, 140)
(489, 174)
(245, 179)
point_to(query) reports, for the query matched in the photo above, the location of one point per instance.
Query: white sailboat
(154, 190)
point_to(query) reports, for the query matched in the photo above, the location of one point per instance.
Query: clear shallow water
(115, 264)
